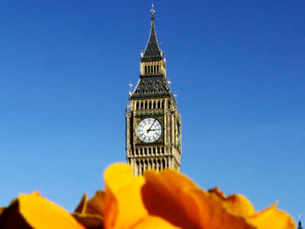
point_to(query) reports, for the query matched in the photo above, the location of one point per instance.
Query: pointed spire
(152, 50)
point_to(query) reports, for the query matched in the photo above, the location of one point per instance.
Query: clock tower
(153, 124)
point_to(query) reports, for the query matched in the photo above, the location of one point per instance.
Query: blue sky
(238, 68)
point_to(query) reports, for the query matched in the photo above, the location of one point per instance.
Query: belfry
(153, 124)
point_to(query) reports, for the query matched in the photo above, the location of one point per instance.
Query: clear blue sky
(238, 68)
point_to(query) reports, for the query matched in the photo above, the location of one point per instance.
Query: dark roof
(154, 86)
(152, 50)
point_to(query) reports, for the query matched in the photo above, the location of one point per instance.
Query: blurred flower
(34, 211)
(90, 213)
(124, 206)
(169, 196)
(166, 200)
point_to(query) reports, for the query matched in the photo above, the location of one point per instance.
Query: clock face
(149, 130)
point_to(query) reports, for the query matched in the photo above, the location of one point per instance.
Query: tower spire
(152, 50)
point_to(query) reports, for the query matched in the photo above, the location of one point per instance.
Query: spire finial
(152, 49)
(153, 11)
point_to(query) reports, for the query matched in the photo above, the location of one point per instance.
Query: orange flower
(90, 213)
(169, 199)
(124, 207)
(165, 200)
(34, 211)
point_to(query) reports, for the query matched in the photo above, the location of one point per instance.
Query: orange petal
(90, 213)
(216, 191)
(89, 221)
(174, 197)
(82, 206)
(239, 205)
(123, 201)
(96, 204)
(164, 196)
(12, 219)
(151, 222)
(40, 213)
(176, 179)
(272, 218)
(1, 210)
(213, 214)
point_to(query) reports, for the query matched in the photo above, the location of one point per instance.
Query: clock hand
(151, 125)
(153, 129)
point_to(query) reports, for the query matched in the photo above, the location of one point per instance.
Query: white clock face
(149, 130)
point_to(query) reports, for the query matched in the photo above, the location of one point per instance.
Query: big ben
(153, 124)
